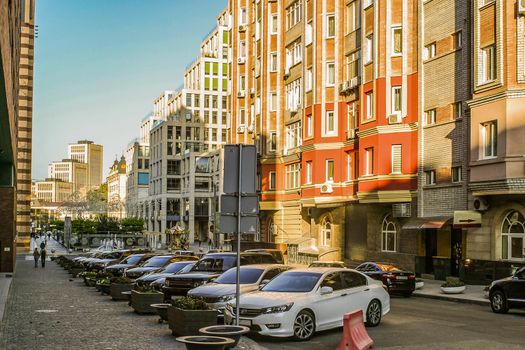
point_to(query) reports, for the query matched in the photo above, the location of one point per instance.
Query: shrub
(121, 280)
(145, 289)
(450, 284)
(190, 303)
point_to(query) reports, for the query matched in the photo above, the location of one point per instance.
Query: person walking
(42, 244)
(43, 254)
(36, 255)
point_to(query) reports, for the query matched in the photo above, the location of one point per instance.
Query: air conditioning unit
(521, 7)
(251, 129)
(327, 188)
(241, 94)
(354, 82)
(350, 134)
(241, 60)
(401, 210)
(240, 129)
(242, 28)
(252, 91)
(344, 86)
(394, 119)
(480, 204)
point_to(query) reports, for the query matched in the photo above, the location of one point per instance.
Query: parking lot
(48, 311)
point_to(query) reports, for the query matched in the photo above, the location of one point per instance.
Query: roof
(427, 222)
(322, 270)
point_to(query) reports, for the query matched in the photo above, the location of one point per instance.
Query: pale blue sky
(100, 63)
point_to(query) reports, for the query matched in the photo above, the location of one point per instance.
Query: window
(458, 110)
(397, 41)
(273, 141)
(397, 95)
(309, 126)
(349, 166)
(242, 16)
(294, 14)
(309, 79)
(309, 172)
(396, 159)
(388, 235)
(488, 63)
(293, 135)
(274, 24)
(329, 123)
(352, 17)
(352, 66)
(330, 26)
(273, 101)
(293, 95)
(489, 138)
(430, 117)
(369, 161)
(330, 74)
(272, 180)
(293, 176)
(294, 54)
(258, 30)
(456, 174)
(329, 170)
(326, 235)
(188, 100)
(308, 34)
(242, 117)
(430, 177)
(353, 279)
(242, 49)
(458, 40)
(369, 48)
(242, 82)
(273, 62)
(430, 51)
(369, 105)
(512, 236)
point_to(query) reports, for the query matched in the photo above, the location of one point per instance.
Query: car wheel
(304, 326)
(373, 313)
(498, 302)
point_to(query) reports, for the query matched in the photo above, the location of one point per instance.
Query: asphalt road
(419, 323)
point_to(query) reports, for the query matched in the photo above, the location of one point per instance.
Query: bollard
(355, 336)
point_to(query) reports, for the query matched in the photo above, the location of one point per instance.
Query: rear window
(176, 267)
(389, 268)
(133, 259)
(219, 263)
(157, 261)
(248, 276)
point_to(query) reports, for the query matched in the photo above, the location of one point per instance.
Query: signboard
(249, 204)
(231, 169)
(467, 218)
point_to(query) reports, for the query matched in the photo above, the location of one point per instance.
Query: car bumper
(260, 323)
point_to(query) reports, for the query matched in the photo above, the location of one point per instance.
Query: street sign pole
(238, 281)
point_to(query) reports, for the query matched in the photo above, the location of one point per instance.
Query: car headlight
(226, 298)
(277, 309)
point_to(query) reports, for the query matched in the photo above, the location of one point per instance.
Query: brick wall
(7, 229)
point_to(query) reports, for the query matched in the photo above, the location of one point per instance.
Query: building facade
(51, 191)
(70, 170)
(117, 189)
(87, 152)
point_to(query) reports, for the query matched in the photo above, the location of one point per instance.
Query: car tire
(373, 313)
(304, 326)
(498, 302)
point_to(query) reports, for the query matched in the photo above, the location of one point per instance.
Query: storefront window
(512, 236)
(388, 235)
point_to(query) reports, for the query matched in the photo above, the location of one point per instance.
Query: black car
(128, 263)
(208, 268)
(397, 281)
(155, 264)
(508, 293)
(156, 279)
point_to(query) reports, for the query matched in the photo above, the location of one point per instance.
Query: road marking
(46, 311)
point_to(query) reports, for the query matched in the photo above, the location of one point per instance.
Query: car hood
(154, 276)
(217, 290)
(260, 299)
(141, 269)
(119, 266)
(196, 275)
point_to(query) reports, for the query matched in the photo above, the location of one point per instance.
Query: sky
(99, 64)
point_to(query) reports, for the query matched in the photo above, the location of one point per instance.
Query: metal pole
(238, 282)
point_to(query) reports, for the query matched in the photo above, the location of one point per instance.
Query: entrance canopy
(428, 222)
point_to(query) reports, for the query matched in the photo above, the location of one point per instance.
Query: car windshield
(293, 282)
(176, 267)
(157, 261)
(186, 268)
(219, 263)
(248, 276)
(132, 259)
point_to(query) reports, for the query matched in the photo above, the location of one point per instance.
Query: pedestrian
(49, 236)
(210, 243)
(43, 257)
(42, 245)
(36, 255)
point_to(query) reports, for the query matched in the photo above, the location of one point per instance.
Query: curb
(453, 299)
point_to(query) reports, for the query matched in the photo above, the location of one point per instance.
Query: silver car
(222, 289)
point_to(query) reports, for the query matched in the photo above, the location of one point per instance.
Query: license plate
(402, 278)
(247, 323)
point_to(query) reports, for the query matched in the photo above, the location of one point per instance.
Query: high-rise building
(85, 151)
(71, 170)
(25, 123)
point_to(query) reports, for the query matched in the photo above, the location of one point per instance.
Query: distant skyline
(99, 65)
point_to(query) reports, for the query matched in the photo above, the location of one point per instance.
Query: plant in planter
(226, 331)
(75, 268)
(189, 314)
(104, 284)
(142, 298)
(453, 287)
(119, 285)
(206, 342)
(89, 277)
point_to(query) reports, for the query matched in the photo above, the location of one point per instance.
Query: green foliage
(190, 303)
(87, 274)
(121, 280)
(451, 283)
(104, 281)
(145, 289)
(83, 226)
(132, 225)
(57, 224)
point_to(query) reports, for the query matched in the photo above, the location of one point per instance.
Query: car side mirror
(264, 282)
(326, 290)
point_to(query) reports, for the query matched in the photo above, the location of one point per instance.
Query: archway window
(512, 236)
(326, 233)
(388, 235)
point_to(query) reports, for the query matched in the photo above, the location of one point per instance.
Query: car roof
(262, 250)
(327, 262)
(261, 266)
(322, 270)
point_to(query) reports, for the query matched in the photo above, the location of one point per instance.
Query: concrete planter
(141, 302)
(188, 322)
(75, 271)
(115, 290)
(205, 342)
(226, 331)
(104, 289)
(162, 310)
(453, 290)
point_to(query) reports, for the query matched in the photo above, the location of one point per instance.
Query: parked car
(277, 254)
(301, 302)
(157, 279)
(208, 268)
(317, 263)
(131, 261)
(396, 280)
(222, 289)
(156, 264)
(508, 293)
(107, 259)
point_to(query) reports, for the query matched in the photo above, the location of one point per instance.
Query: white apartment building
(70, 170)
(85, 151)
(117, 189)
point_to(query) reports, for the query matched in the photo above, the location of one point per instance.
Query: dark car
(508, 293)
(208, 268)
(130, 262)
(277, 253)
(106, 259)
(154, 264)
(397, 281)
(156, 279)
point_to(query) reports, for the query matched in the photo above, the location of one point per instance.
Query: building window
(430, 117)
(430, 51)
(352, 66)
(293, 135)
(330, 26)
(293, 176)
(242, 117)
(272, 180)
(489, 139)
(309, 79)
(293, 95)
(369, 48)
(274, 24)
(273, 62)
(330, 123)
(369, 105)
(349, 173)
(513, 236)
(456, 174)
(369, 161)
(352, 17)
(397, 41)
(326, 233)
(294, 54)
(430, 177)
(396, 159)
(273, 141)
(309, 172)
(273, 101)
(293, 14)
(330, 74)
(329, 170)
(488, 63)
(309, 125)
(388, 235)
(458, 110)
(397, 96)
(242, 49)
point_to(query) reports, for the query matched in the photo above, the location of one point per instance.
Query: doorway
(456, 251)
(430, 249)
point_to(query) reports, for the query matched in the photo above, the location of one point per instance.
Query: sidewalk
(471, 295)
(5, 283)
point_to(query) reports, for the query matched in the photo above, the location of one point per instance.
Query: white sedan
(302, 301)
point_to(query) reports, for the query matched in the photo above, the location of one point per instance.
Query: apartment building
(51, 192)
(70, 170)
(117, 188)
(25, 123)
(87, 152)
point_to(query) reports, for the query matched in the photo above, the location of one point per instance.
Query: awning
(431, 222)
(467, 218)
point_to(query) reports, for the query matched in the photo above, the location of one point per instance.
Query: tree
(134, 225)
(97, 200)
(75, 206)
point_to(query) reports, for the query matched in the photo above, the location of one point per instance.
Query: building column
(7, 228)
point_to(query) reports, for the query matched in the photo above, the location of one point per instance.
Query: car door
(357, 292)
(328, 306)
(517, 288)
